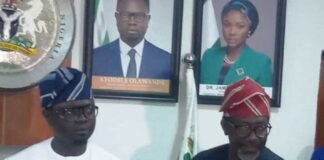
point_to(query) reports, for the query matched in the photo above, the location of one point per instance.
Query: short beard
(243, 156)
(80, 141)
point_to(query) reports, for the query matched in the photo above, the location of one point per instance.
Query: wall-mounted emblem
(35, 37)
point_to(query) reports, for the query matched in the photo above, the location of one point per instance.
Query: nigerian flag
(100, 33)
(190, 139)
(210, 33)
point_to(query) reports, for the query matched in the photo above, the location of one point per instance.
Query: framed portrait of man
(132, 49)
(237, 39)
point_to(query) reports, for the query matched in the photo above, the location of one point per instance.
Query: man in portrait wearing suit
(131, 55)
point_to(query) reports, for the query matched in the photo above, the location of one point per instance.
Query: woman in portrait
(225, 65)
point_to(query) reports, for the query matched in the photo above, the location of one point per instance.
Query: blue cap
(63, 85)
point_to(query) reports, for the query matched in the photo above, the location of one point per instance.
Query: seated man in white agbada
(69, 108)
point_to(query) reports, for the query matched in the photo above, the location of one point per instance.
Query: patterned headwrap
(245, 98)
(62, 85)
(245, 7)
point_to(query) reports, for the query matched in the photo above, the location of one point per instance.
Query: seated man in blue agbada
(318, 154)
(245, 121)
(69, 108)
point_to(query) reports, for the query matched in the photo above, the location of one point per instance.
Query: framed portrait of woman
(132, 49)
(235, 39)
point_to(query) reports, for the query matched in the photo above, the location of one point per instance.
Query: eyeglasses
(126, 16)
(244, 130)
(71, 114)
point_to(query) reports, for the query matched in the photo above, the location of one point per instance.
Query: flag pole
(189, 59)
(190, 139)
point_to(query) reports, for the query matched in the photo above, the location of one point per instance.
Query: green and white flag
(190, 140)
(210, 33)
(100, 33)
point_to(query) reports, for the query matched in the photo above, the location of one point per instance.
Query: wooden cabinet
(320, 109)
(21, 119)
